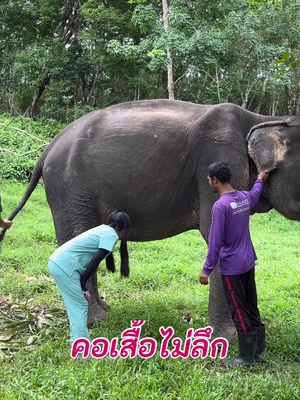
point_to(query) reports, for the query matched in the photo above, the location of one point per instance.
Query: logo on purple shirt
(239, 206)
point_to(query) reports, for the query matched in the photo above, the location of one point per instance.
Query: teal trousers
(75, 302)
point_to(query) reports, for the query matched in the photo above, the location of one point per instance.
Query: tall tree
(67, 31)
(169, 54)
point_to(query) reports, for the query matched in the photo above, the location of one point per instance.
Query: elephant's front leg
(219, 317)
(98, 309)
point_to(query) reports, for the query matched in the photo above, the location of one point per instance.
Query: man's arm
(257, 189)
(215, 243)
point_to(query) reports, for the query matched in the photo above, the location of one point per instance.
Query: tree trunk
(288, 97)
(297, 106)
(217, 80)
(273, 108)
(262, 95)
(245, 96)
(31, 111)
(169, 54)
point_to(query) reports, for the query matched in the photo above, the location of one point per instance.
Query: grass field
(162, 289)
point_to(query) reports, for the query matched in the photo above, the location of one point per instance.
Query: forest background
(61, 59)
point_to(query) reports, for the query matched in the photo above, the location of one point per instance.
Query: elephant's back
(135, 115)
(134, 128)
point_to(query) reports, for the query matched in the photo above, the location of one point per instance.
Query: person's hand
(6, 224)
(263, 175)
(203, 279)
(87, 295)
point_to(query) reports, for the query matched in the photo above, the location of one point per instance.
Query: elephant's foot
(102, 303)
(96, 312)
(98, 309)
(225, 331)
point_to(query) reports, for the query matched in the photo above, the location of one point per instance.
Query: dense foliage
(62, 58)
(22, 140)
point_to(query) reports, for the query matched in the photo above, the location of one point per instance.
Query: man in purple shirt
(230, 244)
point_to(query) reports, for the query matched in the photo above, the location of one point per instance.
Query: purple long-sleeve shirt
(229, 238)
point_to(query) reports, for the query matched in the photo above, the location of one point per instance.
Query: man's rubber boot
(247, 350)
(260, 344)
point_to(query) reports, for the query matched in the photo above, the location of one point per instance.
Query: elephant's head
(275, 146)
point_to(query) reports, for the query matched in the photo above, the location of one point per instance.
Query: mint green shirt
(76, 254)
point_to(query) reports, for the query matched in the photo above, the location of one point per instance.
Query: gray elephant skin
(150, 159)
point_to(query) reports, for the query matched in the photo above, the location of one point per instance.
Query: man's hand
(203, 278)
(87, 295)
(263, 175)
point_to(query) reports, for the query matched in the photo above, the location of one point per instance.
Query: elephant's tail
(36, 175)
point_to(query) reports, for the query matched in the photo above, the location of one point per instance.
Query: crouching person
(75, 261)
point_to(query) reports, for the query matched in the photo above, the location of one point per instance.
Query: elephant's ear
(267, 144)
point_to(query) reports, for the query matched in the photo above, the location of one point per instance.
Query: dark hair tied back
(120, 221)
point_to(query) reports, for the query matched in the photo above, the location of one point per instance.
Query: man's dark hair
(220, 170)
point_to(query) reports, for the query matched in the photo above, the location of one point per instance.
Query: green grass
(162, 289)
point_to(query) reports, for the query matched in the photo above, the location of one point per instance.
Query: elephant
(149, 158)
